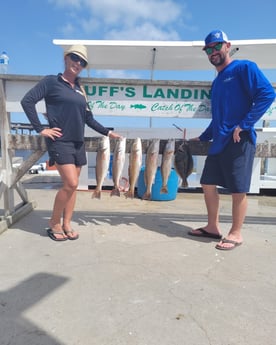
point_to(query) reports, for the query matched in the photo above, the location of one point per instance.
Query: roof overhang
(168, 55)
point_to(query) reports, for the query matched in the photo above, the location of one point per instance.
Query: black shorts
(232, 168)
(66, 152)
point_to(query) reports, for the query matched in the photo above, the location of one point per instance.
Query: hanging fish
(135, 163)
(102, 164)
(166, 164)
(183, 162)
(118, 162)
(151, 167)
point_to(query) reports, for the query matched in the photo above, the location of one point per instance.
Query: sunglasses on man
(217, 47)
(76, 58)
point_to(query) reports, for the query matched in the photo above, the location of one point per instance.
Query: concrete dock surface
(134, 277)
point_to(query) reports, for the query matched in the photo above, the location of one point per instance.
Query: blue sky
(29, 26)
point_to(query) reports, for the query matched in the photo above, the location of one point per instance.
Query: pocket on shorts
(53, 158)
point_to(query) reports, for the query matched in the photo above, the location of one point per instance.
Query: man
(240, 95)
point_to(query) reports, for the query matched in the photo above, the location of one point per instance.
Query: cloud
(68, 29)
(145, 31)
(65, 3)
(132, 19)
(113, 12)
(118, 74)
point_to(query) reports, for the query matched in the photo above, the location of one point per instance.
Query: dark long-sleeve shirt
(66, 108)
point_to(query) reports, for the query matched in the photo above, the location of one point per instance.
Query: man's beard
(218, 61)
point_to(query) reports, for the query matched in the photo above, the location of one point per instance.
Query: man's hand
(236, 134)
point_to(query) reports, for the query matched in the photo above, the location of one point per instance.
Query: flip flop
(51, 233)
(225, 240)
(204, 233)
(70, 237)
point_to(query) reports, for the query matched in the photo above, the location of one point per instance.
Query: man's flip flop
(51, 233)
(225, 240)
(204, 233)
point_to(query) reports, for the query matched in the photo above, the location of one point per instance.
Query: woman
(67, 114)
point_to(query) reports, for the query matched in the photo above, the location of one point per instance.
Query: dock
(135, 277)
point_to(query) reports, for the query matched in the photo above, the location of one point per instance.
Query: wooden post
(6, 154)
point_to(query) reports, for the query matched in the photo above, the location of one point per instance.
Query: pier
(12, 89)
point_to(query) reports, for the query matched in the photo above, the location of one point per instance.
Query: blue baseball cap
(214, 37)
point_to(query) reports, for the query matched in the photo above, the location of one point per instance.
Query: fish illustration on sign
(135, 163)
(102, 164)
(151, 167)
(118, 162)
(183, 162)
(138, 106)
(166, 164)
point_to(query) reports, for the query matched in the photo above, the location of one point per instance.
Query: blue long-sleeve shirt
(240, 95)
(66, 108)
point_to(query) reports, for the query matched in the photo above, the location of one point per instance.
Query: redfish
(151, 167)
(166, 164)
(102, 165)
(118, 162)
(135, 163)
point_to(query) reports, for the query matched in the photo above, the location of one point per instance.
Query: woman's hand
(114, 135)
(51, 133)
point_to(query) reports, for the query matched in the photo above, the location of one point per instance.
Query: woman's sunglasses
(76, 58)
(217, 47)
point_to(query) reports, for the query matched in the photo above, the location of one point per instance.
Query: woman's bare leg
(68, 212)
(66, 197)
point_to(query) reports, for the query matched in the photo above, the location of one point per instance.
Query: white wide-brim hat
(79, 50)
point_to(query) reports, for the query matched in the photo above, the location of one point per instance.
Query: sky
(29, 27)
